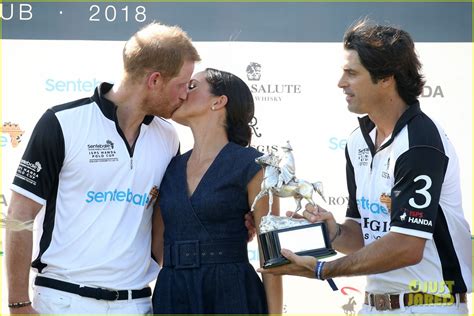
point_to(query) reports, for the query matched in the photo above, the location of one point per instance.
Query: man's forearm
(18, 251)
(350, 239)
(393, 251)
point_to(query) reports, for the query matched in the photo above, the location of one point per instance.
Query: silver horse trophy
(274, 231)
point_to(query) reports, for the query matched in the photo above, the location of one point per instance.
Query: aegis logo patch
(117, 196)
(377, 228)
(102, 152)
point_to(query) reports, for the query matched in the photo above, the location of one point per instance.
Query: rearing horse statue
(297, 188)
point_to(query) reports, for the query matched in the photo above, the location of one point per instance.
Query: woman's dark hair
(240, 106)
(385, 51)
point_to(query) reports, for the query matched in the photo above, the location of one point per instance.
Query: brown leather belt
(383, 302)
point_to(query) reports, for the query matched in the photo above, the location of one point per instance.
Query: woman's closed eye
(192, 85)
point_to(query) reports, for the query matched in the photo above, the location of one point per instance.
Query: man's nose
(183, 95)
(342, 82)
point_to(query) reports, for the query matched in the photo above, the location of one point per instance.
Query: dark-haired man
(402, 164)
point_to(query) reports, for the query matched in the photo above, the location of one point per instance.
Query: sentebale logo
(117, 195)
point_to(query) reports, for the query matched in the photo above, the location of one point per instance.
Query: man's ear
(387, 81)
(154, 79)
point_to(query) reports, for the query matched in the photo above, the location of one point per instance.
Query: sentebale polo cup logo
(254, 71)
(102, 152)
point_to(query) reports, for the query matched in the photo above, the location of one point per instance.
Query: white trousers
(50, 301)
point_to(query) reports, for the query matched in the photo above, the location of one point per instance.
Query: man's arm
(393, 251)
(350, 237)
(18, 252)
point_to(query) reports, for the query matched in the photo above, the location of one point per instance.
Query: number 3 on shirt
(423, 191)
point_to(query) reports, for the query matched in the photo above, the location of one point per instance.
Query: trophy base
(307, 240)
(275, 262)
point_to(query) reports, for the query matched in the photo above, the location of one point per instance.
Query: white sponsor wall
(297, 99)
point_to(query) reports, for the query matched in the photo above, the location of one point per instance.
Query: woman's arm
(273, 284)
(157, 231)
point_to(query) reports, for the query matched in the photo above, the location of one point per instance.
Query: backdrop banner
(293, 77)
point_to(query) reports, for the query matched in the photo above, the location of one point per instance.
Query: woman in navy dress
(204, 196)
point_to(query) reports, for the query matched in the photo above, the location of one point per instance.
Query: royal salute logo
(14, 132)
(102, 152)
(254, 71)
(264, 91)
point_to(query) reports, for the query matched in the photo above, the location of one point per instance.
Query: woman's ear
(219, 103)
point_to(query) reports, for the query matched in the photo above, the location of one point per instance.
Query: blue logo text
(118, 196)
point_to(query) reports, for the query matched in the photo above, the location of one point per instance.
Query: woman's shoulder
(245, 152)
(179, 158)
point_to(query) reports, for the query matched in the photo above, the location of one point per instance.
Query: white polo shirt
(411, 185)
(95, 188)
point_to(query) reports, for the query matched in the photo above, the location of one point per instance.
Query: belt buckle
(193, 250)
(382, 302)
(107, 294)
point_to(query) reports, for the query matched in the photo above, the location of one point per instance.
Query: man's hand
(299, 266)
(317, 214)
(250, 224)
(23, 310)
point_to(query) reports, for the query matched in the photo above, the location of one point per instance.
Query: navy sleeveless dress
(206, 268)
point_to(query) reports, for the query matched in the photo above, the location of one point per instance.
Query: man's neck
(386, 117)
(130, 115)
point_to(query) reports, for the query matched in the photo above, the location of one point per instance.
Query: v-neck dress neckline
(203, 180)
